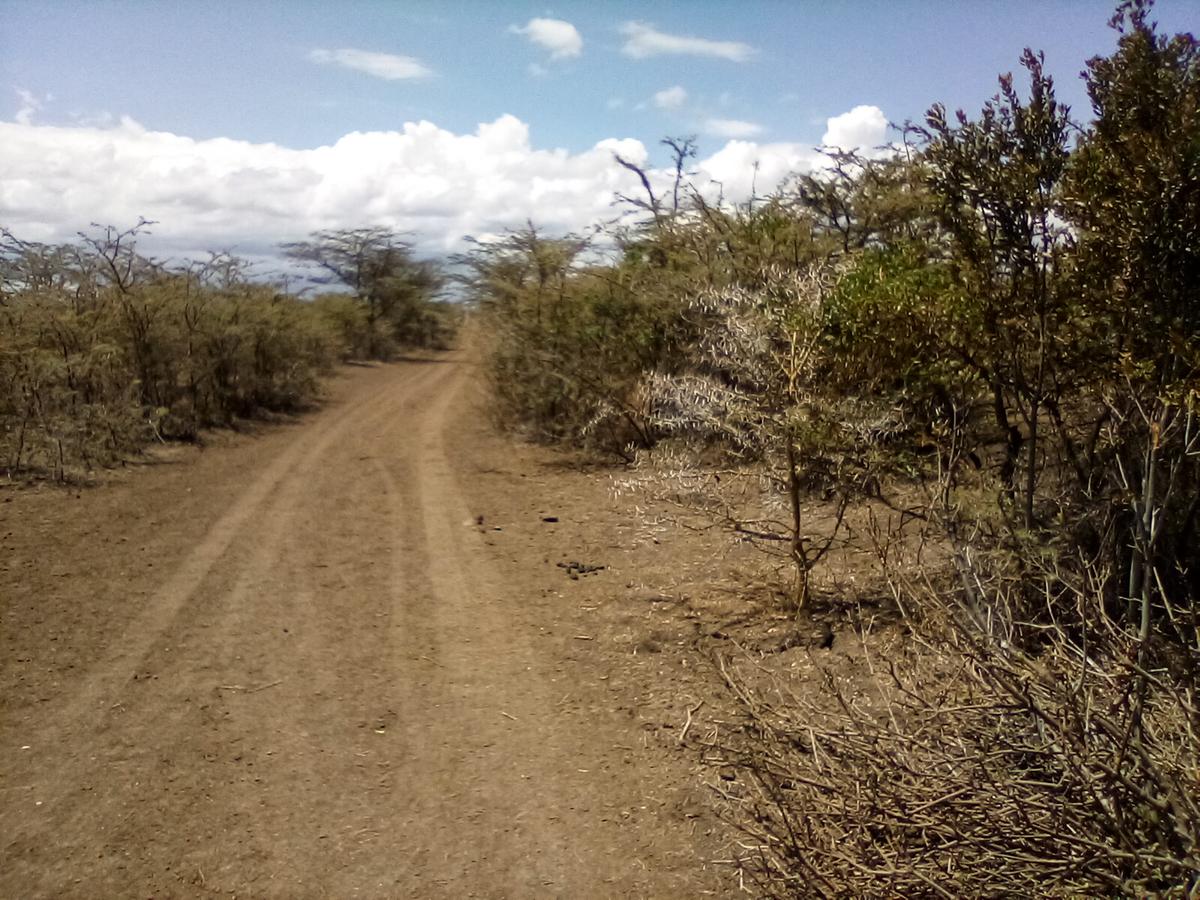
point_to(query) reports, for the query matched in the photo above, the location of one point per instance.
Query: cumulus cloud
(221, 192)
(863, 127)
(743, 168)
(670, 98)
(731, 128)
(437, 184)
(643, 40)
(387, 66)
(561, 38)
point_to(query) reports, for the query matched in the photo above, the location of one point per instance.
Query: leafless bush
(969, 767)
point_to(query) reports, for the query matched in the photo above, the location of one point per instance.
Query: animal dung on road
(575, 569)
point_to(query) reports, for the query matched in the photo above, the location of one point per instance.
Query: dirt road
(290, 666)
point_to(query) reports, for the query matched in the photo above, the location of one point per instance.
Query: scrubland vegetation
(103, 350)
(973, 357)
(982, 346)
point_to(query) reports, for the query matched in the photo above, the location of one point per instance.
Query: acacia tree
(570, 337)
(520, 284)
(755, 393)
(856, 202)
(683, 150)
(379, 267)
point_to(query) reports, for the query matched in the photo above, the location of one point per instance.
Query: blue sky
(277, 74)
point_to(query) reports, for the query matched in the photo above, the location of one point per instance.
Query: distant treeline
(983, 342)
(103, 350)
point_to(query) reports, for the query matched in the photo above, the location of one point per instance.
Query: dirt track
(292, 666)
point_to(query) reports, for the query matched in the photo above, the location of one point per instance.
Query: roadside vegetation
(982, 347)
(103, 350)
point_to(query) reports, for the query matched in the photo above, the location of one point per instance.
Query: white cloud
(670, 98)
(439, 185)
(387, 66)
(863, 127)
(615, 102)
(537, 70)
(31, 104)
(643, 40)
(221, 192)
(743, 167)
(561, 38)
(731, 128)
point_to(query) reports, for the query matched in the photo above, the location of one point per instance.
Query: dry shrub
(94, 365)
(977, 765)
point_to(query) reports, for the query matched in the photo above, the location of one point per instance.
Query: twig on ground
(688, 724)
(241, 688)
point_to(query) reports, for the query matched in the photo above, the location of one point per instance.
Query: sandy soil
(346, 657)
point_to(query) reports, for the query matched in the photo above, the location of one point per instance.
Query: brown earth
(346, 657)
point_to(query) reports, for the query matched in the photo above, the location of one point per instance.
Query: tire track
(328, 710)
(131, 746)
(346, 696)
(483, 813)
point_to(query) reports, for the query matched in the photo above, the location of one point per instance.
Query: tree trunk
(800, 591)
